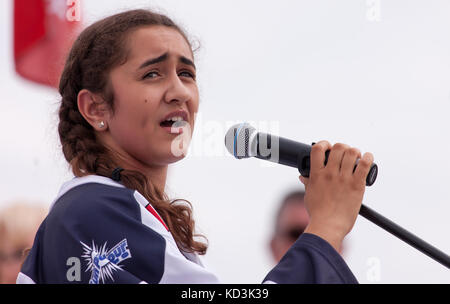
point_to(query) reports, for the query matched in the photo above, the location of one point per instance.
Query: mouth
(174, 122)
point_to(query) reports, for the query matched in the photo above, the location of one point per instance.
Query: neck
(156, 174)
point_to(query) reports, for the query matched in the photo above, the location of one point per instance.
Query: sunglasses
(292, 233)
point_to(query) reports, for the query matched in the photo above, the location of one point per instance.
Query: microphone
(243, 141)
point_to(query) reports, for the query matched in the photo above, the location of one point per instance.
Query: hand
(334, 193)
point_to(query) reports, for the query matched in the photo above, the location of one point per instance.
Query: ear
(94, 109)
(274, 249)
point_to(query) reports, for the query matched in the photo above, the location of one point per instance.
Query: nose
(177, 91)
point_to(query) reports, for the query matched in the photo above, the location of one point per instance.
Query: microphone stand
(303, 165)
(405, 235)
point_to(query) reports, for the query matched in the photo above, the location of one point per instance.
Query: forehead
(153, 41)
(293, 213)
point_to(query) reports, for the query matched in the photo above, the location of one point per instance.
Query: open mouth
(178, 121)
(174, 125)
(167, 123)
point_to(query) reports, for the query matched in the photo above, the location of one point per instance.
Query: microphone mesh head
(239, 139)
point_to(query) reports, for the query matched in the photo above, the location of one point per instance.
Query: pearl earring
(101, 124)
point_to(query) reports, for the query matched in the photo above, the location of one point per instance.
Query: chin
(178, 148)
(168, 152)
(174, 159)
(169, 157)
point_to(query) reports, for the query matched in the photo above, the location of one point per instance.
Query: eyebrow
(164, 57)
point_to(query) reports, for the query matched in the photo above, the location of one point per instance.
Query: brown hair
(98, 49)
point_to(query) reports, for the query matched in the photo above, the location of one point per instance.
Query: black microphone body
(295, 154)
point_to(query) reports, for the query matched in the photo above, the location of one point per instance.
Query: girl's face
(157, 79)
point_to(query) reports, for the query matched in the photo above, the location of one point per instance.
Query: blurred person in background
(290, 222)
(19, 222)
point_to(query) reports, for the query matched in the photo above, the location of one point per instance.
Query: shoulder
(95, 210)
(98, 225)
(90, 200)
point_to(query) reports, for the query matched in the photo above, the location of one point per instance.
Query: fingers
(349, 161)
(363, 167)
(341, 160)
(318, 155)
(304, 181)
(336, 155)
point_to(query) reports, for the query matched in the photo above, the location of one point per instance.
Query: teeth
(177, 118)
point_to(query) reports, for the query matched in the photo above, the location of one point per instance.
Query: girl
(127, 80)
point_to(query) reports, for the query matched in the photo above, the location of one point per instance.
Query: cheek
(132, 120)
(196, 101)
(193, 108)
(134, 123)
(136, 109)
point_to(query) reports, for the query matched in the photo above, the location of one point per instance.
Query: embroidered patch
(103, 262)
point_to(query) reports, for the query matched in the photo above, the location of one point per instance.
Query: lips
(174, 121)
(180, 114)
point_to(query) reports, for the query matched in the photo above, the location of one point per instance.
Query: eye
(150, 75)
(187, 74)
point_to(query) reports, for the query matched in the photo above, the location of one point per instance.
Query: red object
(155, 214)
(43, 34)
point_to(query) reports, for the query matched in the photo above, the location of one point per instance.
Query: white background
(343, 71)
